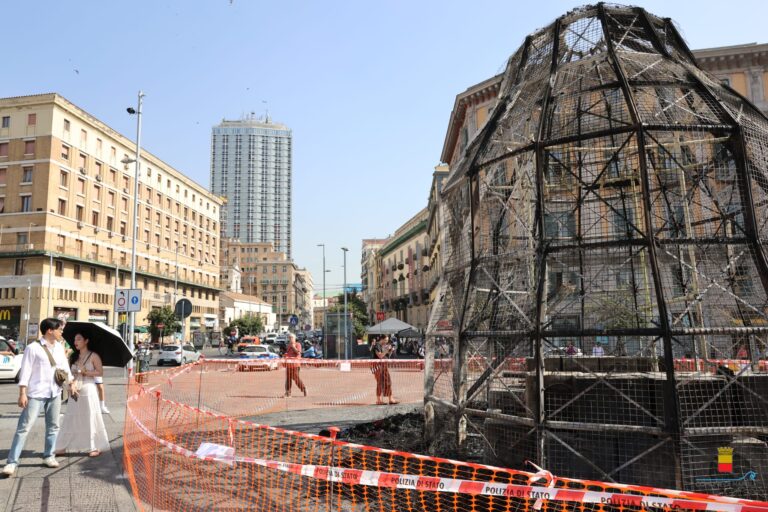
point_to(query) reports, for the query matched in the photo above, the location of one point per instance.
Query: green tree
(357, 308)
(163, 316)
(247, 325)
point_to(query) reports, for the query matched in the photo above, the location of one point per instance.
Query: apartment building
(269, 275)
(743, 67)
(370, 276)
(401, 262)
(251, 166)
(66, 222)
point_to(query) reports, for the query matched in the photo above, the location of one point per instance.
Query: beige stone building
(370, 275)
(402, 263)
(66, 220)
(743, 67)
(270, 276)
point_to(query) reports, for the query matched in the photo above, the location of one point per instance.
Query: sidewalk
(80, 483)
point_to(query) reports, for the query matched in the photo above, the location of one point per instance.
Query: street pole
(325, 341)
(346, 327)
(115, 314)
(50, 278)
(132, 316)
(176, 276)
(29, 296)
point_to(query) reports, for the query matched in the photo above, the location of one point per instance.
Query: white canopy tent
(389, 326)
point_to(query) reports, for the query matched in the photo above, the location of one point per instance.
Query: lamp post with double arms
(137, 162)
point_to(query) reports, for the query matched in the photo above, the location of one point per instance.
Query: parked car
(258, 357)
(177, 354)
(270, 337)
(10, 360)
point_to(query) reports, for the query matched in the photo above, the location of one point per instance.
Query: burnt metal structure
(605, 282)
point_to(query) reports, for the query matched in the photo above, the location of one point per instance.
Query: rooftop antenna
(266, 111)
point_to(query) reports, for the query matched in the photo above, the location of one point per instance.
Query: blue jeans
(52, 407)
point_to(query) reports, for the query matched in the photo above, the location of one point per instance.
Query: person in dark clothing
(292, 368)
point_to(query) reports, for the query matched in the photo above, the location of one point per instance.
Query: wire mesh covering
(605, 281)
(188, 447)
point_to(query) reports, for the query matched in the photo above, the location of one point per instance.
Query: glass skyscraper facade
(251, 168)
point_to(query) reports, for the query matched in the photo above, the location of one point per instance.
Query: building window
(110, 223)
(77, 271)
(122, 228)
(29, 147)
(6, 122)
(108, 276)
(93, 274)
(66, 125)
(63, 179)
(31, 119)
(3, 149)
(62, 206)
(80, 187)
(26, 174)
(2, 176)
(20, 268)
(79, 213)
(26, 203)
(64, 152)
(95, 218)
(59, 268)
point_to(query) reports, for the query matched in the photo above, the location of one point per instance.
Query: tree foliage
(247, 325)
(163, 316)
(357, 308)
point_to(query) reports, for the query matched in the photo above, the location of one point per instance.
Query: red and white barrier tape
(452, 485)
(675, 494)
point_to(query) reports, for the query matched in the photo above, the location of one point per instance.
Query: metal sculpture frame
(604, 293)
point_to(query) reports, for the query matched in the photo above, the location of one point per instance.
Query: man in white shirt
(38, 390)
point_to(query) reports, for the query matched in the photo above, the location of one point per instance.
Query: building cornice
(474, 95)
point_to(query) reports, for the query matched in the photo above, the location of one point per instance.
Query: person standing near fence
(40, 389)
(292, 367)
(382, 350)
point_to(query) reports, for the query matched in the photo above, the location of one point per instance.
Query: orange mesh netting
(187, 447)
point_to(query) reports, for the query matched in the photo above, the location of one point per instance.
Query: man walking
(38, 390)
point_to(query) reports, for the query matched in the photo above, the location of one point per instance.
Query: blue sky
(367, 87)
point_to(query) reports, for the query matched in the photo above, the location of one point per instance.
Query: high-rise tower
(251, 168)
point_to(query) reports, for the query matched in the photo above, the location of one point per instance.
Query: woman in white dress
(83, 427)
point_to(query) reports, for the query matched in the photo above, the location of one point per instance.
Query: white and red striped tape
(452, 485)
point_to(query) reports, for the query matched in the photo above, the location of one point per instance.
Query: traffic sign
(134, 299)
(294, 320)
(128, 300)
(183, 308)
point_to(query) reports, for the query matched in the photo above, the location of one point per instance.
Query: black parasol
(103, 340)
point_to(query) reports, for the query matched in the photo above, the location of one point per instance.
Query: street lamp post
(325, 341)
(132, 316)
(346, 326)
(29, 297)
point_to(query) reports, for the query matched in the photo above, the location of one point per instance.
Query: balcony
(16, 247)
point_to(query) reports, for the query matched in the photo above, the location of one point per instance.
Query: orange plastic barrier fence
(187, 447)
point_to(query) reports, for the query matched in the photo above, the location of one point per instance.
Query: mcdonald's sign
(10, 321)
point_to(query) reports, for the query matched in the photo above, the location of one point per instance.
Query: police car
(10, 360)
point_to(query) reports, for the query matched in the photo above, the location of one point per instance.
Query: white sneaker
(51, 462)
(9, 469)
(104, 409)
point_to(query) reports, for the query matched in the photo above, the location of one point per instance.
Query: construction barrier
(192, 443)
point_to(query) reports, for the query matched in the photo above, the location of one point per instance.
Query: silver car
(177, 354)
